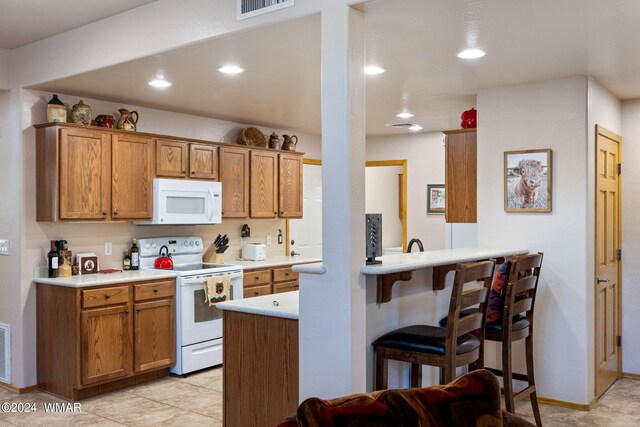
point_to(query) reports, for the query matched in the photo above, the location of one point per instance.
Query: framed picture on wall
(435, 199)
(527, 181)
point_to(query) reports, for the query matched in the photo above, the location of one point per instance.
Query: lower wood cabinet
(269, 281)
(100, 339)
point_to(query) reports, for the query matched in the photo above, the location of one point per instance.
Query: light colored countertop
(106, 279)
(274, 261)
(395, 263)
(287, 305)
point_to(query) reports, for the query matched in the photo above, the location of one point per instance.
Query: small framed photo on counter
(435, 199)
(527, 181)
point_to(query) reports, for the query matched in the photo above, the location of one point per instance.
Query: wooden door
(234, 176)
(171, 159)
(460, 176)
(264, 184)
(203, 161)
(607, 280)
(131, 177)
(155, 334)
(85, 161)
(105, 344)
(290, 177)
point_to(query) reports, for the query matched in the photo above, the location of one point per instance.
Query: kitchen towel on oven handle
(218, 289)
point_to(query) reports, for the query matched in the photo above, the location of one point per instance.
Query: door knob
(603, 280)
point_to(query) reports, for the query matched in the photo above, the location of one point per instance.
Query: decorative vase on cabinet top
(81, 113)
(288, 144)
(105, 121)
(468, 119)
(274, 141)
(56, 110)
(127, 122)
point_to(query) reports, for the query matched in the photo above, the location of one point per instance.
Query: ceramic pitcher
(289, 144)
(127, 121)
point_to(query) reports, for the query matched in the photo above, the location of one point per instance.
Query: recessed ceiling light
(372, 70)
(415, 128)
(230, 69)
(404, 115)
(471, 54)
(160, 82)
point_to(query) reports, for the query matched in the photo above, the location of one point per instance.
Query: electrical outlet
(108, 249)
(268, 239)
(4, 247)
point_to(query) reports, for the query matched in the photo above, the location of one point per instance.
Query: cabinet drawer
(255, 291)
(105, 296)
(284, 274)
(285, 287)
(257, 277)
(154, 290)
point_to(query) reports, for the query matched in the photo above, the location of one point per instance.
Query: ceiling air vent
(400, 125)
(5, 353)
(251, 8)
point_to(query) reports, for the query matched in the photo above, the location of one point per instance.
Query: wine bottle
(135, 255)
(126, 263)
(52, 260)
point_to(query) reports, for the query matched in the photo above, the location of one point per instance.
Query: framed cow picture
(527, 181)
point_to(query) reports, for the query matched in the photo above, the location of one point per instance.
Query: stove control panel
(177, 245)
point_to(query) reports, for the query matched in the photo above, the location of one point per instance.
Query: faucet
(416, 241)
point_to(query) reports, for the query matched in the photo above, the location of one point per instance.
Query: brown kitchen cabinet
(104, 338)
(172, 159)
(264, 184)
(460, 176)
(290, 189)
(131, 177)
(234, 176)
(203, 161)
(269, 281)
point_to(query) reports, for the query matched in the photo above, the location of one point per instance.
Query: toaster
(254, 252)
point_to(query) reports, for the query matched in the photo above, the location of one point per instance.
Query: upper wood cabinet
(290, 178)
(203, 161)
(131, 177)
(172, 159)
(264, 184)
(460, 176)
(85, 170)
(234, 176)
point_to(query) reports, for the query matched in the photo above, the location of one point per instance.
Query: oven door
(199, 321)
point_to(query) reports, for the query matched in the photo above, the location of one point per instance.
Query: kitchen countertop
(395, 263)
(274, 261)
(106, 279)
(263, 305)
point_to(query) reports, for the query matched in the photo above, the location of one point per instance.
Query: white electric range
(198, 326)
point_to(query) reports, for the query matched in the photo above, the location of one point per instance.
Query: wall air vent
(5, 353)
(251, 8)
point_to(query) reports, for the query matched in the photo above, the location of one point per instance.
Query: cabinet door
(84, 174)
(155, 335)
(460, 176)
(264, 184)
(285, 287)
(131, 177)
(106, 344)
(234, 176)
(171, 159)
(290, 186)
(203, 161)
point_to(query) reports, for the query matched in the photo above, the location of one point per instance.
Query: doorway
(608, 259)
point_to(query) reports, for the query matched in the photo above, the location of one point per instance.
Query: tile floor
(197, 401)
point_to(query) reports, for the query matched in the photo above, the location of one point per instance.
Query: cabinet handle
(257, 277)
(115, 213)
(193, 172)
(286, 274)
(155, 291)
(104, 213)
(275, 213)
(184, 172)
(126, 310)
(281, 213)
(107, 296)
(138, 310)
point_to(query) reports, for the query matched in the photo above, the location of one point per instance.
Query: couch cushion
(471, 400)
(358, 410)
(425, 339)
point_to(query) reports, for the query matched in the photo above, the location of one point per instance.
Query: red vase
(468, 119)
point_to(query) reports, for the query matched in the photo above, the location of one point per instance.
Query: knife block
(211, 256)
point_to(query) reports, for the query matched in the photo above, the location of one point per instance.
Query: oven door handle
(203, 280)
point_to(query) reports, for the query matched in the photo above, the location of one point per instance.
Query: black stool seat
(519, 321)
(425, 339)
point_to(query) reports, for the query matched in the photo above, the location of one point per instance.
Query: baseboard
(631, 376)
(565, 404)
(18, 390)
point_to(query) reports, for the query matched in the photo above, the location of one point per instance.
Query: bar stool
(517, 321)
(458, 344)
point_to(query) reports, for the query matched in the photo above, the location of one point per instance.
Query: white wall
(382, 196)
(4, 69)
(630, 237)
(91, 237)
(424, 153)
(552, 115)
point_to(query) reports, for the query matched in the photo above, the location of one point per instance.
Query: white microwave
(177, 201)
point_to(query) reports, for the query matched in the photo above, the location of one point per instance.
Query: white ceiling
(416, 41)
(25, 21)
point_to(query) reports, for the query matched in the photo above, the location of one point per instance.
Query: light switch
(107, 248)
(269, 239)
(4, 247)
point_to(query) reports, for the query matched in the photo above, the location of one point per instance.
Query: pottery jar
(106, 121)
(81, 113)
(56, 110)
